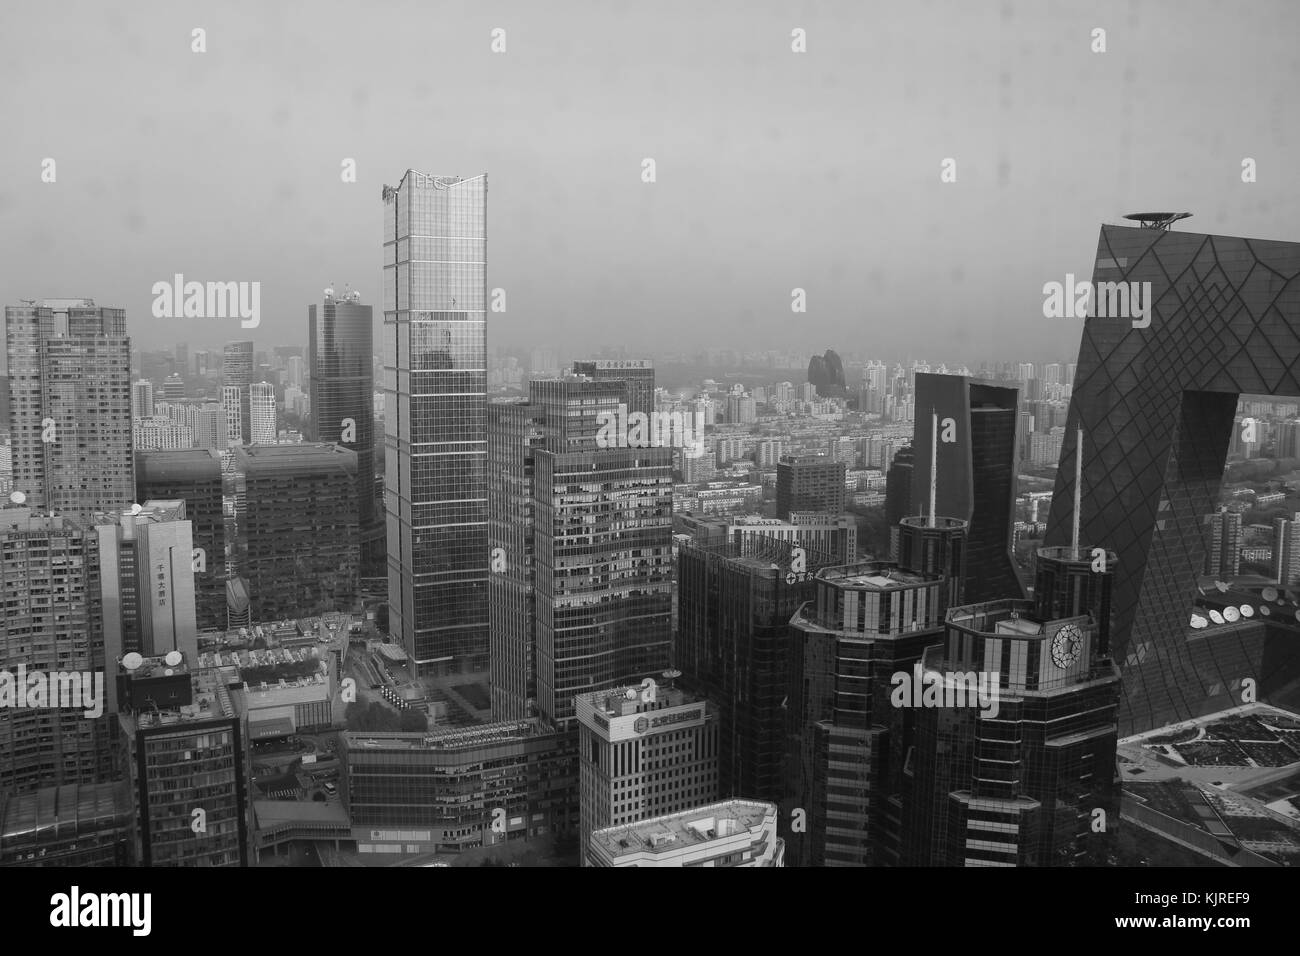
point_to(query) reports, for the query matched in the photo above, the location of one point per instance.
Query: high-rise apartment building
(69, 376)
(51, 622)
(340, 350)
(1286, 550)
(297, 527)
(435, 421)
(643, 751)
(237, 374)
(1223, 543)
(142, 399)
(262, 415)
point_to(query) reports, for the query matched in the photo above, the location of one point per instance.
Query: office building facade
(809, 483)
(236, 380)
(435, 419)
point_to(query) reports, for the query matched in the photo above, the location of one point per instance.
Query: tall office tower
(867, 622)
(643, 751)
(262, 414)
(435, 422)
(142, 399)
(1158, 430)
(734, 604)
(1223, 543)
(183, 752)
(340, 346)
(194, 477)
(146, 578)
(1024, 432)
(603, 552)
(1014, 780)
(730, 833)
(173, 388)
(976, 445)
(637, 374)
(898, 494)
(237, 373)
(515, 432)
(297, 520)
(295, 365)
(50, 621)
(809, 483)
(70, 406)
(232, 406)
(201, 363)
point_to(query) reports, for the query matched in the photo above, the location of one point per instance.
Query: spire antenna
(1078, 489)
(934, 459)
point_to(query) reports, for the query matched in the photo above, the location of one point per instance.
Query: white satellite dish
(1231, 615)
(1198, 621)
(631, 693)
(132, 660)
(1216, 617)
(1247, 611)
(18, 497)
(1263, 609)
(1269, 594)
(173, 658)
(136, 509)
(168, 672)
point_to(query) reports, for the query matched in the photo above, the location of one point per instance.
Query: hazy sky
(775, 169)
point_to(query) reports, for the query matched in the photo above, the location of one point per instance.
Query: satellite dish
(18, 497)
(132, 660)
(169, 672)
(1198, 622)
(631, 693)
(1247, 611)
(1231, 615)
(1263, 609)
(173, 658)
(1216, 617)
(136, 509)
(1269, 594)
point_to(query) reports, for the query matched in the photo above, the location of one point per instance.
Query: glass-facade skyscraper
(340, 347)
(237, 373)
(1156, 401)
(435, 419)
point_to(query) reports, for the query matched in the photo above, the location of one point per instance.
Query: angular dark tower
(1157, 399)
(978, 465)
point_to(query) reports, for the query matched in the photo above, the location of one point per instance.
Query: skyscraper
(237, 373)
(1286, 550)
(1158, 428)
(1223, 543)
(261, 403)
(435, 420)
(637, 374)
(340, 347)
(70, 406)
(142, 399)
(50, 620)
(977, 458)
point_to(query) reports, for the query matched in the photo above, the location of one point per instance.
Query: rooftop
(452, 739)
(676, 830)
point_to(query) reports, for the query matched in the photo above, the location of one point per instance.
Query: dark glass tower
(979, 473)
(340, 352)
(809, 483)
(1157, 406)
(435, 420)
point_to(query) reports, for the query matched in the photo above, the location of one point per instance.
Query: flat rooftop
(674, 831)
(450, 739)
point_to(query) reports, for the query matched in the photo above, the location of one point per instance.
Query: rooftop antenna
(934, 459)
(1078, 489)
